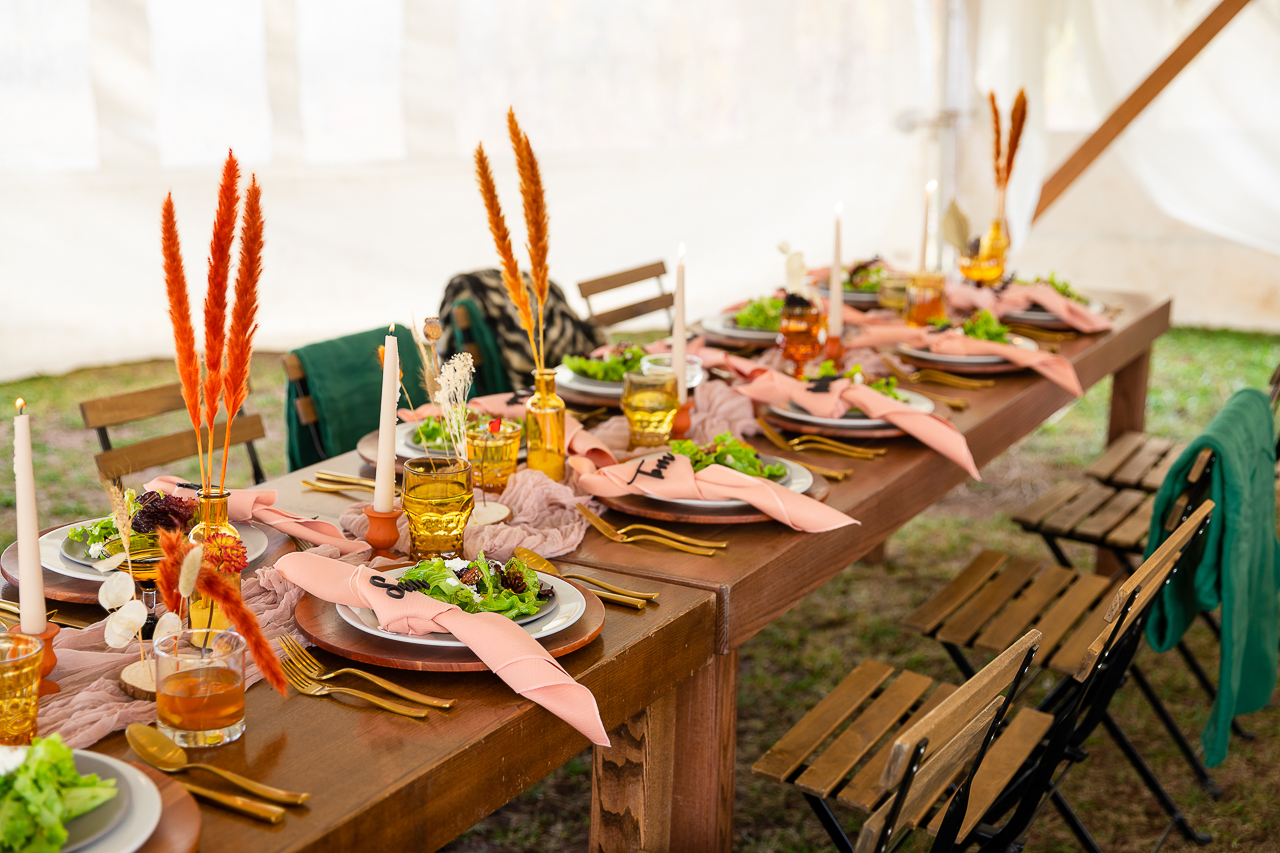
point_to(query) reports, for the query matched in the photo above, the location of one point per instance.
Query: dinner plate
(857, 298)
(566, 378)
(798, 479)
(1039, 315)
(941, 358)
(407, 448)
(120, 828)
(54, 557)
(853, 419)
(724, 326)
(570, 605)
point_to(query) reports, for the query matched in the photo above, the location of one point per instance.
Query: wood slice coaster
(815, 429)
(56, 586)
(179, 827)
(968, 369)
(645, 507)
(320, 622)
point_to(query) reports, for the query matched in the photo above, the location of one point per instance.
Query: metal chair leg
(1179, 739)
(1072, 820)
(829, 823)
(961, 662)
(1056, 549)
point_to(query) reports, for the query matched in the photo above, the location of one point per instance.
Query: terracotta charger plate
(643, 507)
(320, 622)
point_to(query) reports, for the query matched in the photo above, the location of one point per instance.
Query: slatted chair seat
(1136, 460)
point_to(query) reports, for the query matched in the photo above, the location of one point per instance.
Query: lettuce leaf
(43, 794)
(612, 368)
(729, 452)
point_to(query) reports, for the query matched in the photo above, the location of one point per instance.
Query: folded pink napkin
(578, 441)
(832, 398)
(256, 505)
(1019, 297)
(504, 646)
(1053, 367)
(672, 476)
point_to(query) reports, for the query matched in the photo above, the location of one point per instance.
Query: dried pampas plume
(224, 590)
(215, 300)
(996, 133)
(455, 385)
(175, 547)
(120, 515)
(511, 278)
(184, 333)
(190, 571)
(1017, 118)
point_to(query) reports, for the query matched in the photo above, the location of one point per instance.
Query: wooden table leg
(631, 782)
(1128, 414)
(706, 746)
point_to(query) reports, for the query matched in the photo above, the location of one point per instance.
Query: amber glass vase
(544, 426)
(211, 517)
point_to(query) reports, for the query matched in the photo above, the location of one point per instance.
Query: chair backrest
(116, 462)
(604, 319)
(926, 757)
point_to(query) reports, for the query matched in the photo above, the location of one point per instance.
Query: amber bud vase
(544, 426)
(212, 516)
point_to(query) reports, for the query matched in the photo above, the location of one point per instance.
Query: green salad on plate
(764, 313)
(984, 326)
(866, 276)
(616, 363)
(431, 434)
(729, 452)
(482, 585)
(887, 385)
(40, 792)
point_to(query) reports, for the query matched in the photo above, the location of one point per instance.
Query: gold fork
(303, 684)
(312, 667)
(1038, 334)
(616, 594)
(609, 533)
(817, 442)
(939, 377)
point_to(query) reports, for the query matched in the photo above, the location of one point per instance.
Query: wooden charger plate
(179, 827)
(644, 507)
(320, 622)
(56, 586)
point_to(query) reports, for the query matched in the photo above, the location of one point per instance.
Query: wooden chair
(117, 462)
(605, 319)
(303, 406)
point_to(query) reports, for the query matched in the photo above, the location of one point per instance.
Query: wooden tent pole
(1138, 99)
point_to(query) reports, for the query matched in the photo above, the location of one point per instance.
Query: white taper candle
(30, 575)
(835, 288)
(678, 333)
(384, 484)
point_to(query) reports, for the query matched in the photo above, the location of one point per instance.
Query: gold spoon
(156, 749)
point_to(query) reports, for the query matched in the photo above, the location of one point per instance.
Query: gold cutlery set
(819, 443)
(680, 542)
(332, 481)
(10, 613)
(614, 594)
(939, 377)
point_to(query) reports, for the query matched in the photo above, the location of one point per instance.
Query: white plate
(724, 326)
(798, 479)
(1034, 315)
(52, 558)
(566, 378)
(572, 604)
(919, 402)
(144, 809)
(407, 448)
(927, 355)
(857, 298)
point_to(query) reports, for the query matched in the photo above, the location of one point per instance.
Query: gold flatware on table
(336, 488)
(609, 533)
(1038, 334)
(940, 377)
(615, 594)
(335, 477)
(829, 473)
(702, 543)
(243, 805)
(817, 442)
(312, 667)
(155, 748)
(583, 417)
(304, 684)
(10, 613)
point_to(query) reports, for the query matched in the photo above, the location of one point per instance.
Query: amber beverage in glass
(20, 659)
(799, 331)
(649, 402)
(200, 687)
(893, 290)
(437, 500)
(493, 452)
(925, 299)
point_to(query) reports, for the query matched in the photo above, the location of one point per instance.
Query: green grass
(792, 663)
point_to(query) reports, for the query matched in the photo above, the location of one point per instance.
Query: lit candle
(30, 575)
(835, 288)
(678, 334)
(384, 484)
(929, 190)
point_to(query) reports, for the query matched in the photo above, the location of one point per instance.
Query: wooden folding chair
(605, 319)
(304, 407)
(117, 462)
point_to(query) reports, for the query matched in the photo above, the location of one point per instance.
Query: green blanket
(344, 378)
(1240, 566)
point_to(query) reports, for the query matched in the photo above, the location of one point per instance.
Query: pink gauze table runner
(505, 647)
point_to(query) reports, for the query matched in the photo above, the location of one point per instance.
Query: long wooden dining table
(769, 568)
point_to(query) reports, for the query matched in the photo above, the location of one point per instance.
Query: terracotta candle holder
(48, 658)
(680, 425)
(384, 531)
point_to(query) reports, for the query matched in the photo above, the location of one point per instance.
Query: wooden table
(769, 568)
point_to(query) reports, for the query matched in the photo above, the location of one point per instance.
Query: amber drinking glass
(925, 299)
(893, 290)
(798, 334)
(493, 452)
(20, 659)
(437, 500)
(649, 402)
(200, 687)
(987, 267)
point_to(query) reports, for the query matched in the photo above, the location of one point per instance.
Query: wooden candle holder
(49, 658)
(384, 531)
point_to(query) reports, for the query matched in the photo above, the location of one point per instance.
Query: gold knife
(542, 564)
(244, 805)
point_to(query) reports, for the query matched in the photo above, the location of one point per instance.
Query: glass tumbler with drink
(437, 501)
(925, 298)
(649, 402)
(799, 330)
(493, 448)
(200, 687)
(20, 659)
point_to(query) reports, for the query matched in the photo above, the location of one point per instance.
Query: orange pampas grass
(535, 218)
(215, 299)
(511, 278)
(244, 314)
(175, 546)
(1017, 118)
(224, 590)
(997, 132)
(184, 334)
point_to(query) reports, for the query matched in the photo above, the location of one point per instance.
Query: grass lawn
(791, 664)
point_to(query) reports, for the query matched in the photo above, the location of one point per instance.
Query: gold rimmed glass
(649, 402)
(437, 500)
(20, 659)
(200, 687)
(494, 452)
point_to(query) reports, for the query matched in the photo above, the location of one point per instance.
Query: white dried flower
(455, 385)
(111, 563)
(115, 591)
(190, 571)
(166, 626)
(124, 624)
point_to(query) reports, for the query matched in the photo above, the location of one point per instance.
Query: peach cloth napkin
(1020, 297)
(842, 394)
(672, 476)
(1053, 367)
(577, 440)
(504, 646)
(256, 505)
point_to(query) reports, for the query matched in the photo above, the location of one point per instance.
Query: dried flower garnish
(225, 553)
(455, 386)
